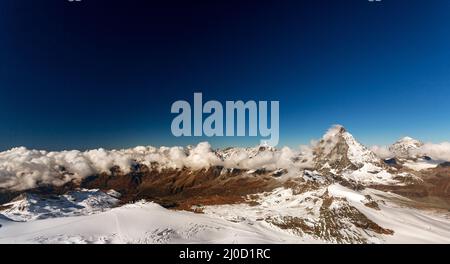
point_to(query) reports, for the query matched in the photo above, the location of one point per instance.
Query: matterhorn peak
(339, 148)
(334, 131)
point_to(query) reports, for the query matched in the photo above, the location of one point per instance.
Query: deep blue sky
(105, 73)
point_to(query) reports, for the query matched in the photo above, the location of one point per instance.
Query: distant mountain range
(334, 191)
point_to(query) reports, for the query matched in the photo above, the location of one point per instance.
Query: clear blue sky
(105, 73)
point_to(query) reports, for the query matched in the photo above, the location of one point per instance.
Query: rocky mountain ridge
(336, 184)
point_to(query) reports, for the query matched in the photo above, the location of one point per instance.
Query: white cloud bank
(440, 151)
(382, 152)
(21, 168)
(436, 151)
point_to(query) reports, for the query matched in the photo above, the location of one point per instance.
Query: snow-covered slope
(330, 214)
(409, 225)
(336, 214)
(405, 147)
(419, 164)
(28, 206)
(141, 222)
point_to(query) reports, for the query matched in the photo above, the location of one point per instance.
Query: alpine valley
(334, 191)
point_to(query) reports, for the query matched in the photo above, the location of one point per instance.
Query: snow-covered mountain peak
(335, 130)
(340, 150)
(405, 147)
(250, 152)
(409, 141)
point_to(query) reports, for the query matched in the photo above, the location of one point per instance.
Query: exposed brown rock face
(336, 157)
(338, 152)
(371, 203)
(432, 189)
(184, 188)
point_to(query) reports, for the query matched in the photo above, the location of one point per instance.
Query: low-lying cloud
(440, 151)
(21, 168)
(382, 152)
(436, 151)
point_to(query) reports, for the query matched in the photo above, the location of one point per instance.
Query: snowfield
(147, 222)
(421, 164)
(139, 223)
(369, 174)
(409, 225)
(83, 202)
